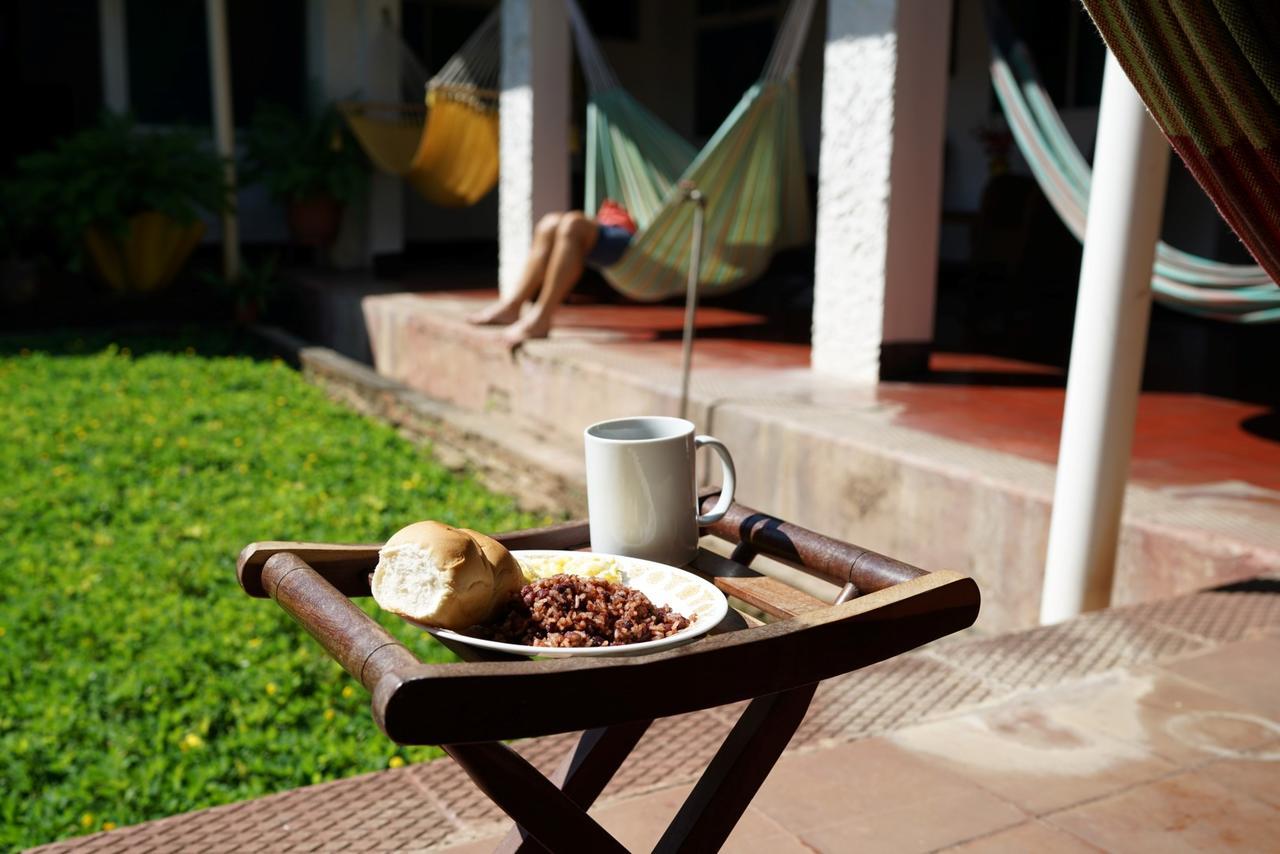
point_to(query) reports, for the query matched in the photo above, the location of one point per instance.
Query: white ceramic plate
(684, 592)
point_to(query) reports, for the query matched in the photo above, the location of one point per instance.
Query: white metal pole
(693, 195)
(224, 129)
(114, 46)
(1131, 163)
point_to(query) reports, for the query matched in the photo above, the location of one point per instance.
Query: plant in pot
(132, 198)
(18, 266)
(310, 165)
(252, 289)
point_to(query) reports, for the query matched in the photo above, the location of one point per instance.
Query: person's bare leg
(507, 309)
(576, 235)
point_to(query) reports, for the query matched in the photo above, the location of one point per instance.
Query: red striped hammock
(1209, 72)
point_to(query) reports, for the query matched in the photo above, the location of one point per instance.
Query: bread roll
(451, 578)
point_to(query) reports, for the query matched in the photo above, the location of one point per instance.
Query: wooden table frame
(885, 608)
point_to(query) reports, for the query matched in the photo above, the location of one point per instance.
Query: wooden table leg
(532, 801)
(737, 771)
(582, 776)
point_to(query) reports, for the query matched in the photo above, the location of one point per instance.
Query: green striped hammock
(1239, 293)
(751, 173)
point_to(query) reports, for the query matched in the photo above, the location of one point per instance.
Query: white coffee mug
(641, 491)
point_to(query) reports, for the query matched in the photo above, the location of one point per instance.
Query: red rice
(576, 611)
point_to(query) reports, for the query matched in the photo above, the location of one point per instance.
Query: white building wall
(114, 51)
(340, 63)
(968, 109)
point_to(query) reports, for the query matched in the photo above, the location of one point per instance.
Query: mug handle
(726, 468)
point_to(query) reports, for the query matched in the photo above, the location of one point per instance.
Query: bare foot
(524, 329)
(499, 314)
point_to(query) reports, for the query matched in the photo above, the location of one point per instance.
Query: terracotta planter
(147, 256)
(19, 281)
(247, 313)
(314, 221)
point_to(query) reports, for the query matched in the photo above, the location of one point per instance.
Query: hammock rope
(444, 142)
(1238, 293)
(471, 74)
(751, 173)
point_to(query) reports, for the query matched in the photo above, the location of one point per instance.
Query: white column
(534, 138)
(224, 128)
(340, 34)
(384, 232)
(1131, 163)
(879, 182)
(114, 48)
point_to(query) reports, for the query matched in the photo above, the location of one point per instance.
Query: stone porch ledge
(829, 455)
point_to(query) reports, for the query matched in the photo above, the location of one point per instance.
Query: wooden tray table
(885, 608)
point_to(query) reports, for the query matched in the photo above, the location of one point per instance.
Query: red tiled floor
(1189, 812)
(1034, 836)
(874, 796)
(1179, 439)
(997, 403)
(726, 338)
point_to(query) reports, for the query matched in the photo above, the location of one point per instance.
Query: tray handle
(817, 554)
(364, 649)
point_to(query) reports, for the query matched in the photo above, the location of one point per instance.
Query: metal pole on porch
(694, 196)
(224, 130)
(1126, 202)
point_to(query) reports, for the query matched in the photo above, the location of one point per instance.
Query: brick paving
(1151, 727)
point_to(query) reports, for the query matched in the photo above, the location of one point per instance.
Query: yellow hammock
(447, 149)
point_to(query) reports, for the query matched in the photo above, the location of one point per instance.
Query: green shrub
(136, 679)
(298, 156)
(103, 176)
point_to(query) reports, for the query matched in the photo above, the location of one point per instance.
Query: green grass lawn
(136, 679)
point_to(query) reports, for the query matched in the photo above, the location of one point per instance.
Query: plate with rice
(591, 604)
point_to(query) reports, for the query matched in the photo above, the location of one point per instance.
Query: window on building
(49, 59)
(435, 31)
(1066, 48)
(733, 42)
(734, 7)
(169, 58)
(616, 20)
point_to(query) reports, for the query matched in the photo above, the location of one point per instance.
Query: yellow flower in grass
(395, 762)
(108, 825)
(330, 714)
(348, 692)
(86, 820)
(272, 688)
(190, 741)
